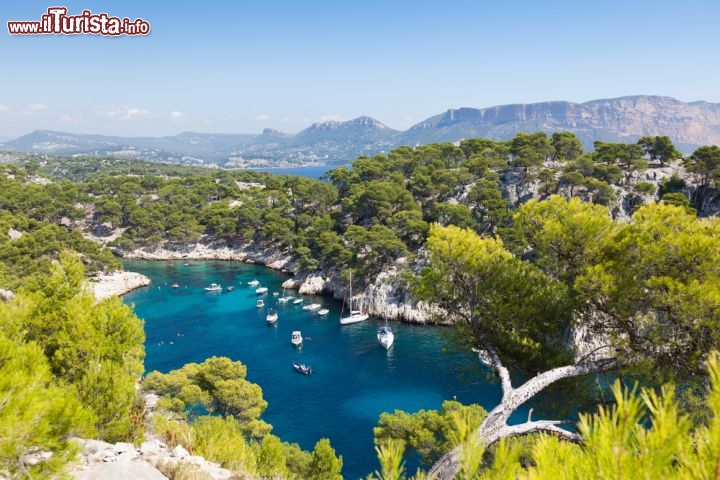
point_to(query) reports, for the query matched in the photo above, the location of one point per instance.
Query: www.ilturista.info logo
(57, 21)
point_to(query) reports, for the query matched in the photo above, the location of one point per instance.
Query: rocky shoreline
(384, 298)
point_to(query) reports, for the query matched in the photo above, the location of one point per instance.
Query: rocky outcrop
(117, 283)
(386, 297)
(389, 299)
(518, 186)
(210, 249)
(104, 461)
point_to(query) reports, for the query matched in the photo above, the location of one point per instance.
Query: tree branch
(547, 426)
(530, 388)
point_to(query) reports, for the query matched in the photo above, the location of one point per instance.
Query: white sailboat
(355, 316)
(385, 336)
(283, 298)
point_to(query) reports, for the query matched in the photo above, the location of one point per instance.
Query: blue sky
(242, 66)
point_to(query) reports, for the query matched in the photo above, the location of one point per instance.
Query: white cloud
(69, 119)
(4, 108)
(262, 118)
(124, 113)
(177, 115)
(38, 106)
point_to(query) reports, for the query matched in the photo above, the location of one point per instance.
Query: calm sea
(354, 378)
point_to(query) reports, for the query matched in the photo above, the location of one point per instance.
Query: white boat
(323, 311)
(275, 294)
(272, 316)
(312, 306)
(260, 303)
(284, 299)
(261, 290)
(297, 301)
(483, 356)
(385, 336)
(302, 368)
(355, 316)
(254, 283)
(214, 287)
(296, 338)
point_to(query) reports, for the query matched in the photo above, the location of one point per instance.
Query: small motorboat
(302, 368)
(312, 306)
(275, 294)
(260, 303)
(175, 285)
(284, 299)
(214, 287)
(254, 283)
(323, 311)
(261, 290)
(271, 317)
(484, 357)
(230, 288)
(297, 301)
(385, 336)
(296, 338)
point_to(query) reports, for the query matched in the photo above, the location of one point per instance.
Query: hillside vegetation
(559, 238)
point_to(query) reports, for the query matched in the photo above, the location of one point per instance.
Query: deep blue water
(354, 378)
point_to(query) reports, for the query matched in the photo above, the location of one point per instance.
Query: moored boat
(296, 338)
(385, 336)
(271, 317)
(323, 311)
(254, 282)
(297, 301)
(230, 288)
(302, 368)
(261, 290)
(213, 287)
(260, 303)
(312, 307)
(175, 285)
(355, 315)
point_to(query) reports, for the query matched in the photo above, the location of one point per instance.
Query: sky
(241, 66)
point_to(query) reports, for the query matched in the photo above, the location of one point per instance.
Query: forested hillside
(525, 240)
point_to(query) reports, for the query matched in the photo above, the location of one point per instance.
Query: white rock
(180, 452)
(313, 285)
(121, 471)
(122, 447)
(153, 447)
(14, 234)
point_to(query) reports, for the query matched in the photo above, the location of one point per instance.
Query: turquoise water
(354, 378)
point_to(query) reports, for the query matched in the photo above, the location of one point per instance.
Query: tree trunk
(494, 426)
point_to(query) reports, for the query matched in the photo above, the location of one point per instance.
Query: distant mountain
(360, 130)
(624, 119)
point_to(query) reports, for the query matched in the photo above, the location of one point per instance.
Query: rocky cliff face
(623, 119)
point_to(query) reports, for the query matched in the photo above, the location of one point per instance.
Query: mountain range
(623, 119)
